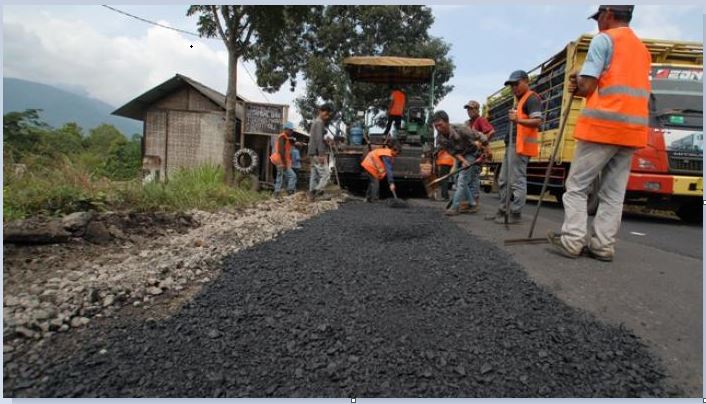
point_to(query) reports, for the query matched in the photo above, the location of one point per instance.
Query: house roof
(135, 109)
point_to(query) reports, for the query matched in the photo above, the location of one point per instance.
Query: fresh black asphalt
(364, 301)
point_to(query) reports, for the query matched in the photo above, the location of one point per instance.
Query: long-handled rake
(557, 142)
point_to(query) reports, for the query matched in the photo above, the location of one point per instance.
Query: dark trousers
(443, 170)
(373, 192)
(390, 119)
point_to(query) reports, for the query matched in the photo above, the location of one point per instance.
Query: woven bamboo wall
(176, 100)
(183, 139)
(155, 130)
(211, 140)
(197, 102)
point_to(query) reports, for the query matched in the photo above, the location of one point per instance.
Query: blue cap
(516, 76)
(289, 125)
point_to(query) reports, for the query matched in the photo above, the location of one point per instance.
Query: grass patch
(68, 187)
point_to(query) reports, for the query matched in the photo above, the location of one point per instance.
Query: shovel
(396, 202)
(529, 239)
(431, 186)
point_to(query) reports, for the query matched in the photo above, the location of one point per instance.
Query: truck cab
(667, 173)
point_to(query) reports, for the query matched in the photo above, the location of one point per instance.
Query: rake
(557, 142)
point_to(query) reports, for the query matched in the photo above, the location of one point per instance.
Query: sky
(94, 51)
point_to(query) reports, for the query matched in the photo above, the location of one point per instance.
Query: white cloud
(650, 22)
(54, 50)
(477, 87)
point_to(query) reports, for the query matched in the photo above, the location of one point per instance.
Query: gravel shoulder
(363, 301)
(128, 264)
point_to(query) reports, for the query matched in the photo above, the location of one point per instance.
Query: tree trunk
(231, 102)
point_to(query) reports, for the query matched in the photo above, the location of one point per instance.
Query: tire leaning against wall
(245, 161)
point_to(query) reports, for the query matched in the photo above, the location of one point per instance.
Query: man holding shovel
(524, 121)
(466, 146)
(378, 165)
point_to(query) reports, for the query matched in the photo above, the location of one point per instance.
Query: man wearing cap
(480, 124)
(525, 144)
(465, 145)
(614, 123)
(281, 157)
(318, 152)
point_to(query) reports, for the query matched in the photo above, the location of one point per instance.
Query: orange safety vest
(617, 112)
(398, 101)
(373, 162)
(527, 138)
(276, 158)
(444, 158)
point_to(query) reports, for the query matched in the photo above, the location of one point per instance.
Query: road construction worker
(395, 110)
(466, 146)
(318, 152)
(614, 123)
(479, 123)
(525, 121)
(378, 165)
(281, 157)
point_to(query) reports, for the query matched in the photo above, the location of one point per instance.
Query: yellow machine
(667, 174)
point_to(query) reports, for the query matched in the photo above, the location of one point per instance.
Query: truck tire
(592, 206)
(691, 212)
(245, 161)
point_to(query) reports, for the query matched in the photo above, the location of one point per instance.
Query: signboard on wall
(266, 119)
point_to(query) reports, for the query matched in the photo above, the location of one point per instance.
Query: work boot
(474, 209)
(276, 195)
(515, 218)
(592, 254)
(555, 240)
(463, 207)
(290, 193)
(310, 196)
(452, 212)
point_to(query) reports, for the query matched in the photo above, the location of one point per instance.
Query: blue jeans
(463, 190)
(474, 184)
(288, 175)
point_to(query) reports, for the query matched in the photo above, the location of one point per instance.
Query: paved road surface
(654, 286)
(364, 301)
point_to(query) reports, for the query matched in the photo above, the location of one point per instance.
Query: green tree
(101, 137)
(273, 36)
(123, 161)
(67, 140)
(23, 133)
(344, 31)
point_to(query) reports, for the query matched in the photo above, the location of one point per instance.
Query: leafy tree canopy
(342, 31)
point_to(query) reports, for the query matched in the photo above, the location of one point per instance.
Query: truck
(416, 135)
(666, 174)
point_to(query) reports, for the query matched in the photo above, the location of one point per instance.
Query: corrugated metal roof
(136, 108)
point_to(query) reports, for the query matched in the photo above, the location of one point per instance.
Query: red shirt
(481, 125)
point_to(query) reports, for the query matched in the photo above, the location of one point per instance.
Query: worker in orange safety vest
(613, 124)
(378, 165)
(395, 110)
(281, 157)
